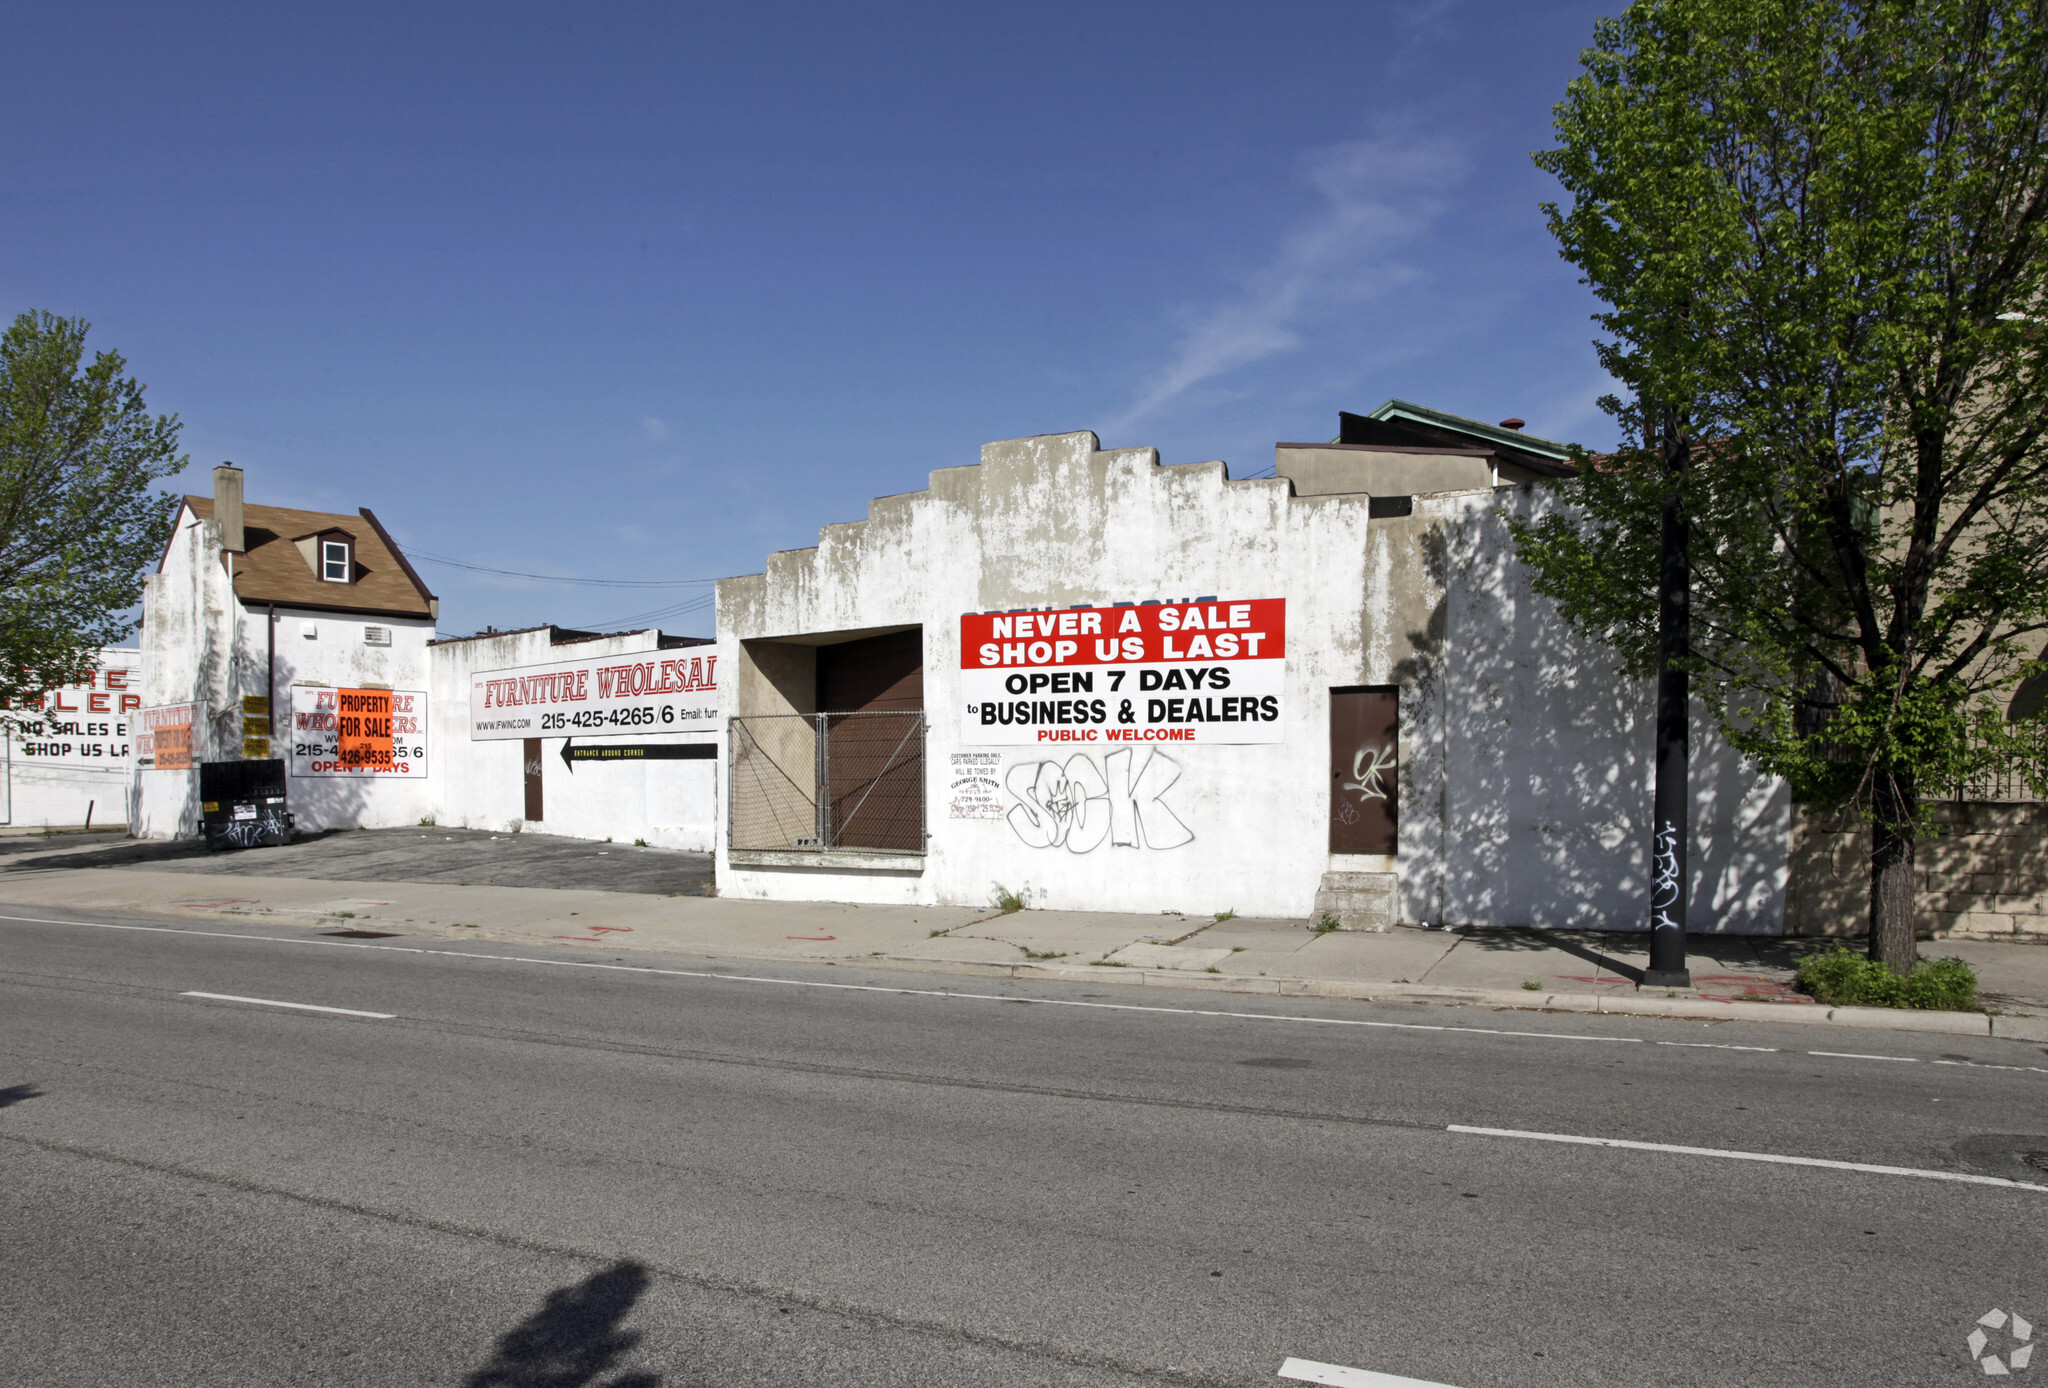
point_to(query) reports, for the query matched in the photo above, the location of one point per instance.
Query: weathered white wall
(670, 804)
(95, 778)
(189, 655)
(1526, 784)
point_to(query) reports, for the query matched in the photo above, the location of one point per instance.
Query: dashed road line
(1772, 1158)
(1341, 1376)
(295, 1006)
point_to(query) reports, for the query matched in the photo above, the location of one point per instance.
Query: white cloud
(655, 430)
(1378, 195)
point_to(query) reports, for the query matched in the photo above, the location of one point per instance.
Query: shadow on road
(15, 1093)
(574, 1338)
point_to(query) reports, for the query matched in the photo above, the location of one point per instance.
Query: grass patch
(1043, 953)
(1007, 901)
(1108, 964)
(1532, 985)
(639, 843)
(1325, 924)
(426, 821)
(1844, 978)
(1222, 916)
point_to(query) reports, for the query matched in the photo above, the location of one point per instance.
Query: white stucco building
(257, 620)
(936, 704)
(663, 794)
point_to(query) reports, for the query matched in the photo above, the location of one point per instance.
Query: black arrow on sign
(637, 751)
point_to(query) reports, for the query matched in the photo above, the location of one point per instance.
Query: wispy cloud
(1378, 195)
(655, 430)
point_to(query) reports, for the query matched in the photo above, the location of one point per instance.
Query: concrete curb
(1872, 1018)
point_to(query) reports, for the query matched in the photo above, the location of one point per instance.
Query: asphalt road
(532, 1171)
(467, 857)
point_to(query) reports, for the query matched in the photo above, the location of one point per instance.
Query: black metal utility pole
(1670, 817)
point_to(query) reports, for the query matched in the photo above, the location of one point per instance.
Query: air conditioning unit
(376, 636)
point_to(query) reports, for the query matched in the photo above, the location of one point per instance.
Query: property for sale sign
(610, 696)
(1155, 672)
(359, 732)
(164, 739)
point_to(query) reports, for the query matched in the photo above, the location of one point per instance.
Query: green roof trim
(1396, 410)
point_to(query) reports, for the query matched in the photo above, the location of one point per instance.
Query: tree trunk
(1892, 839)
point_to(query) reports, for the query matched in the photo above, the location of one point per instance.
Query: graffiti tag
(1366, 765)
(1664, 891)
(1079, 805)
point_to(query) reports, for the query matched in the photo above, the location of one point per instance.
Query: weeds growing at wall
(1844, 978)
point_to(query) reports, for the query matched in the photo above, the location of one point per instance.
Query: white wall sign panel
(1213, 672)
(359, 732)
(609, 696)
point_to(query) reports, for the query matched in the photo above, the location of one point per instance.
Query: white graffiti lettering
(1664, 892)
(1078, 805)
(1366, 765)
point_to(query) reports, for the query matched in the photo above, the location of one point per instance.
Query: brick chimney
(227, 506)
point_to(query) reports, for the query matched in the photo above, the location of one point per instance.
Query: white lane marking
(1338, 1376)
(948, 993)
(1987, 1065)
(295, 1006)
(843, 987)
(1959, 1177)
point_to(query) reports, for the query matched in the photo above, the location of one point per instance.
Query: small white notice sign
(973, 789)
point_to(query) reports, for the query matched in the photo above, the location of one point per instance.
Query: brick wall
(1984, 877)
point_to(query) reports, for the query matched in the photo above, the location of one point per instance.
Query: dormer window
(337, 564)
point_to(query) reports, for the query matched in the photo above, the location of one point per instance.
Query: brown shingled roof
(273, 570)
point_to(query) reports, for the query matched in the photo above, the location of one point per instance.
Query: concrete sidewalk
(1734, 976)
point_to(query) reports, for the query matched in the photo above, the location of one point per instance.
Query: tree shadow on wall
(574, 1339)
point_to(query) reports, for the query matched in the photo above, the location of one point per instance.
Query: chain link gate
(844, 781)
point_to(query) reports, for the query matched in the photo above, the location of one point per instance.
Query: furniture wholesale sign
(359, 732)
(164, 738)
(1212, 672)
(608, 696)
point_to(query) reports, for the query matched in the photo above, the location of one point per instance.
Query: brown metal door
(872, 692)
(1365, 784)
(532, 760)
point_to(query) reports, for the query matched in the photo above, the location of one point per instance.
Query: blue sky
(647, 291)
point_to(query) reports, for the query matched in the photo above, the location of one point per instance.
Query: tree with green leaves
(79, 521)
(1817, 229)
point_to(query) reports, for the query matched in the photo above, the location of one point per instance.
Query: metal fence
(2005, 786)
(852, 781)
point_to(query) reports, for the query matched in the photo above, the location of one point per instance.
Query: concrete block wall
(1984, 877)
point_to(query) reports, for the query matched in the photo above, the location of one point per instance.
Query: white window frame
(333, 553)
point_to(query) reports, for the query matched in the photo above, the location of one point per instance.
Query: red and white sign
(1157, 672)
(611, 696)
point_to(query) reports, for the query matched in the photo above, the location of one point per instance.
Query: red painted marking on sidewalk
(810, 937)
